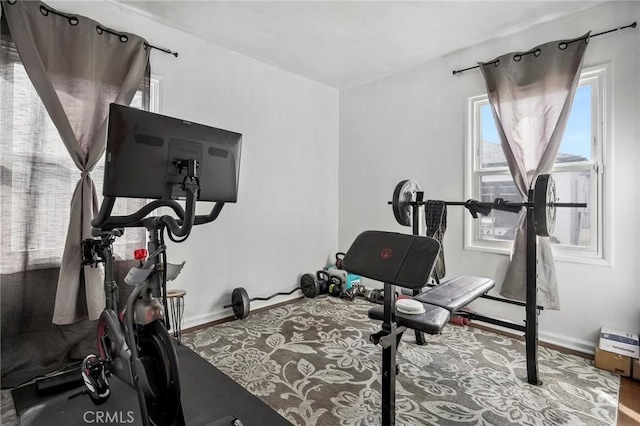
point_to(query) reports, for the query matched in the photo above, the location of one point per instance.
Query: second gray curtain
(531, 94)
(78, 68)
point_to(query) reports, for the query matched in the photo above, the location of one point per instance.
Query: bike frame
(142, 308)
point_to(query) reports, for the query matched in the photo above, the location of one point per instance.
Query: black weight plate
(240, 302)
(403, 194)
(309, 285)
(544, 208)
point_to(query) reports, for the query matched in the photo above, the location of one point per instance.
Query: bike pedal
(95, 380)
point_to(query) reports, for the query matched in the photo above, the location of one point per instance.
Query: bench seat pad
(430, 322)
(456, 293)
(392, 258)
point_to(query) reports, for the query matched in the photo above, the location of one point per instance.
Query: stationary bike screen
(146, 153)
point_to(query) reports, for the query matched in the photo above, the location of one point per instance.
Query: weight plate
(544, 205)
(403, 195)
(240, 302)
(309, 285)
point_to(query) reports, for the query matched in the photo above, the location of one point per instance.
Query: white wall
(285, 221)
(411, 125)
(407, 125)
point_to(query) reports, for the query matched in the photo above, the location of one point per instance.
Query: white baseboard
(196, 321)
(567, 342)
(191, 322)
(579, 345)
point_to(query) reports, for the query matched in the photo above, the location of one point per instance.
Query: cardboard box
(617, 351)
(619, 342)
(616, 363)
(635, 369)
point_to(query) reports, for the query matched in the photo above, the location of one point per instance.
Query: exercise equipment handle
(182, 228)
(179, 228)
(105, 221)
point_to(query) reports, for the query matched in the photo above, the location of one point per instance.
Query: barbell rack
(532, 309)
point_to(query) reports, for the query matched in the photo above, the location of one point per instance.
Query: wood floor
(629, 405)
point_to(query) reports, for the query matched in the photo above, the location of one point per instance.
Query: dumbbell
(326, 281)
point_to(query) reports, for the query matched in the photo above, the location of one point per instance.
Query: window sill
(559, 255)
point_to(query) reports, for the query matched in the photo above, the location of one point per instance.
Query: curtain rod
(73, 20)
(537, 51)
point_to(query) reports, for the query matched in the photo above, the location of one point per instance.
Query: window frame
(45, 257)
(598, 77)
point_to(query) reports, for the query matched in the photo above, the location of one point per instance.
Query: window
(578, 174)
(38, 176)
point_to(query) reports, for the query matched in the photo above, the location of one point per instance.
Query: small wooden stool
(175, 298)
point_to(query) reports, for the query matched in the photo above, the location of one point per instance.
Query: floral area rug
(312, 361)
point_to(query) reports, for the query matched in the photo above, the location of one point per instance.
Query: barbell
(544, 204)
(241, 304)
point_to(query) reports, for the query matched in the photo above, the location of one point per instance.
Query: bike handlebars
(179, 228)
(105, 221)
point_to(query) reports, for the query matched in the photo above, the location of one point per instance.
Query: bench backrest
(393, 258)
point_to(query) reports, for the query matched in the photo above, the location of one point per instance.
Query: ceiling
(346, 43)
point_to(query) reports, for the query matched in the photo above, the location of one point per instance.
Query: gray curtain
(531, 94)
(78, 68)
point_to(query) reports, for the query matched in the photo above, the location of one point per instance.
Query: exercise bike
(134, 345)
(150, 156)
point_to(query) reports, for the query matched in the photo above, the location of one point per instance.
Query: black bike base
(209, 397)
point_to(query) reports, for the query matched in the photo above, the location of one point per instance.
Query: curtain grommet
(517, 58)
(73, 20)
(496, 63)
(563, 45)
(537, 52)
(123, 38)
(99, 29)
(12, 2)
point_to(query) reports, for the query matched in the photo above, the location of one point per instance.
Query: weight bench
(451, 295)
(406, 261)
